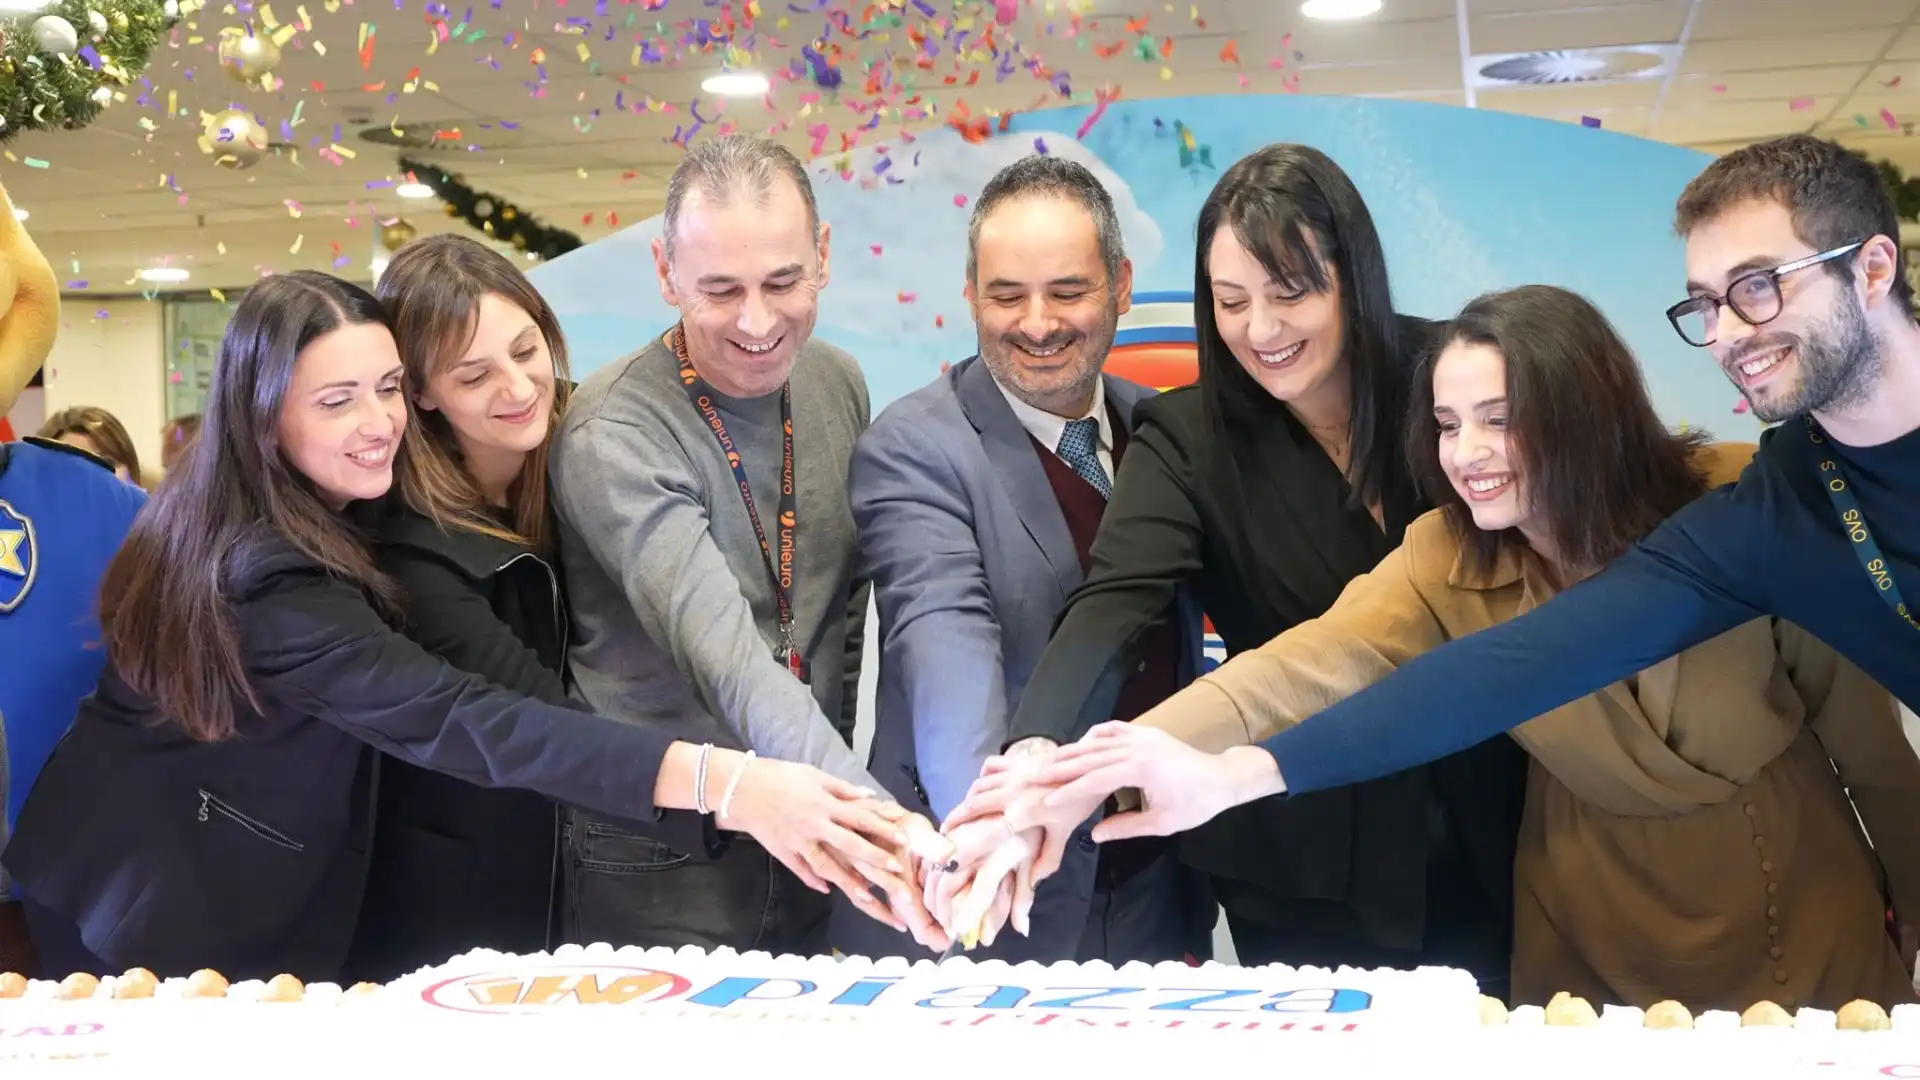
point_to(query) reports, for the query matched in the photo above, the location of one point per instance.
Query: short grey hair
(731, 165)
(1044, 175)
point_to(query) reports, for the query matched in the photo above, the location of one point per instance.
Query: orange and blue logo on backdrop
(1155, 346)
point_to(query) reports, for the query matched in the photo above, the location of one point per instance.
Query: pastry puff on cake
(141, 984)
(1566, 1010)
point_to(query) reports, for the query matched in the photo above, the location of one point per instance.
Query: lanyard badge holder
(779, 565)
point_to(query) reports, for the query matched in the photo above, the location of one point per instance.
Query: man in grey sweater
(709, 554)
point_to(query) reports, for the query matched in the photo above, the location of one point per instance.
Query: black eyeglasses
(1754, 297)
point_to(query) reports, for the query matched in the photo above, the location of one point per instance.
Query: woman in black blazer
(212, 804)
(1267, 488)
(468, 537)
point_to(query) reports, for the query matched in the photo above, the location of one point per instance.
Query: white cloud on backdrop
(915, 222)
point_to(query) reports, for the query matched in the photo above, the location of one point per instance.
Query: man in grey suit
(976, 500)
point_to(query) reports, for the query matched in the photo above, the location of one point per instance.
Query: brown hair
(1282, 202)
(1599, 466)
(433, 287)
(177, 438)
(1835, 196)
(166, 614)
(102, 429)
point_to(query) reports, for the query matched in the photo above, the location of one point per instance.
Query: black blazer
(458, 866)
(249, 855)
(1267, 541)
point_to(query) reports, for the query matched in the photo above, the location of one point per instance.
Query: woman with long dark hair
(1265, 489)
(1685, 836)
(212, 804)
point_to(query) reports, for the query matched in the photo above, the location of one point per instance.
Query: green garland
(43, 92)
(493, 215)
(1904, 189)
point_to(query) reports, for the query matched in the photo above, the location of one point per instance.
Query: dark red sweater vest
(1156, 671)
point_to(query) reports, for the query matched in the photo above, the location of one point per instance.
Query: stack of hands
(967, 880)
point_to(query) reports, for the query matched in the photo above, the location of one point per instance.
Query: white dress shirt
(1047, 429)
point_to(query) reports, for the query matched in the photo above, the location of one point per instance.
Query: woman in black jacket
(1267, 488)
(469, 540)
(212, 804)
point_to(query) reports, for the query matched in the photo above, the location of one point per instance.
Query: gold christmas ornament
(246, 56)
(235, 139)
(395, 234)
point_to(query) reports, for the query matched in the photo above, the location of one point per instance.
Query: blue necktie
(1080, 449)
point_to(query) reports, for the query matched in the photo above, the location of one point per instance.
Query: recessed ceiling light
(1339, 9)
(413, 191)
(164, 274)
(737, 84)
(20, 213)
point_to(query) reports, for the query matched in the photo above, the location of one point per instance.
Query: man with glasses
(1798, 290)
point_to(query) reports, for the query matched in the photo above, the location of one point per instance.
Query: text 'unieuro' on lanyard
(778, 560)
(1854, 524)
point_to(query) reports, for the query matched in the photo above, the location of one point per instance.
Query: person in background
(708, 548)
(977, 499)
(1686, 836)
(99, 433)
(217, 813)
(176, 439)
(1266, 489)
(63, 515)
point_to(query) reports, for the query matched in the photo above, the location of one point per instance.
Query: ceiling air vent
(1558, 67)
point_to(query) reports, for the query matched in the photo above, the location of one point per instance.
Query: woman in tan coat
(1685, 833)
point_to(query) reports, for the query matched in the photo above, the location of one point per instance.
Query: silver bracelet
(700, 779)
(733, 785)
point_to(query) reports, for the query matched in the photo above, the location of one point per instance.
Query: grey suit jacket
(971, 562)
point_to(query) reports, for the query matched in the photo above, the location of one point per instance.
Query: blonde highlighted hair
(432, 288)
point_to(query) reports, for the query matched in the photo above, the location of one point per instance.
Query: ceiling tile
(1779, 85)
(1578, 27)
(1767, 54)
(1724, 20)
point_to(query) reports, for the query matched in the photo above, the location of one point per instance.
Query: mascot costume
(63, 514)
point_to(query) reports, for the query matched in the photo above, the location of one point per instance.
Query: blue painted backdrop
(1465, 200)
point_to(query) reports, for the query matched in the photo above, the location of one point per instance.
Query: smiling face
(1042, 303)
(1285, 335)
(746, 273)
(1470, 408)
(344, 413)
(496, 395)
(1818, 353)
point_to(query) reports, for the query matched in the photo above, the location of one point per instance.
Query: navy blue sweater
(1770, 544)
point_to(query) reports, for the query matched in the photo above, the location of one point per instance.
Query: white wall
(111, 354)
(29, 412)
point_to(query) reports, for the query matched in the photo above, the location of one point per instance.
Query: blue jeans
(624, 889)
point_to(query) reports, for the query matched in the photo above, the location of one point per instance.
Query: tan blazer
(1685, 834)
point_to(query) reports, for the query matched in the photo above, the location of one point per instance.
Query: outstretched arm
(1695, 577)
(939, 637)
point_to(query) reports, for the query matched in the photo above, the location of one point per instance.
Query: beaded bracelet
(700, 779)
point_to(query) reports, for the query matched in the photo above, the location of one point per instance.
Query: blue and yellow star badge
(19, 556)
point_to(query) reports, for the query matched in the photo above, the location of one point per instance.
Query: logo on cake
(538, 989)
(1155, 346)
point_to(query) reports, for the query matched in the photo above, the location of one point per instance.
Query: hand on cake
(832, 834)
(1178, 786)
